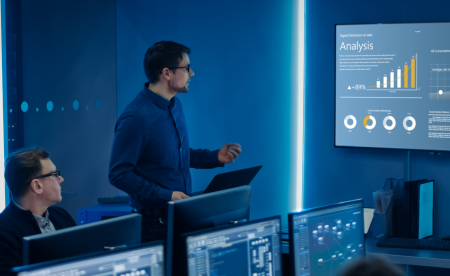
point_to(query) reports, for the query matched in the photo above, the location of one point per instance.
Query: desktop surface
(404, 256)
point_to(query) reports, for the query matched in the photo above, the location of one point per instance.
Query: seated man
(35, 185)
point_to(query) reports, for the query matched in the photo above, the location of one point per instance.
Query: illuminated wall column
(2, 111)
(300, 97)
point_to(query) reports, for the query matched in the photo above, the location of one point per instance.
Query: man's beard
(178, 88)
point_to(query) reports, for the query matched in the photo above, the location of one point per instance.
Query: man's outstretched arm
(205, 159)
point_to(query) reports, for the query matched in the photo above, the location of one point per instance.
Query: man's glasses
(56, 174)
(188, 68)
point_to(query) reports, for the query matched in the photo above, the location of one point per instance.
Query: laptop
(230, 180)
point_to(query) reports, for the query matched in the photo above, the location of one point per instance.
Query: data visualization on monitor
(323, 240)
(250, 249)
(392, 86)
(143, 261)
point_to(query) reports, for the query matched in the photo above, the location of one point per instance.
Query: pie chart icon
(346, 121)
(385, 121)
(413, 123)
(374, 122)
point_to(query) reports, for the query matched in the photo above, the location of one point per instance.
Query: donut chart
(413, 121)
(386, 119)
(347, 125)
(374, 122)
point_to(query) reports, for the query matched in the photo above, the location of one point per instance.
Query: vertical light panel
(300, 109)
(2, 117)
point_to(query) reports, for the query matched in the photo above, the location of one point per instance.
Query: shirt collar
(17, 204)
(37, 217)
(157, 99)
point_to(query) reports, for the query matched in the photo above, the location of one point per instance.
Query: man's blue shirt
(150, 157)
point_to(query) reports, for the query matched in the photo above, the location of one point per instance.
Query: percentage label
(360, 87)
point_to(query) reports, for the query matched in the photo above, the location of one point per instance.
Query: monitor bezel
(61, 232)
(335, 93)
(90, 256)
(170, 228)
(315, 209)
(185, 236)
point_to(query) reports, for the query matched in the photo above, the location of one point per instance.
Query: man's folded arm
(129, 143)
(204, 159)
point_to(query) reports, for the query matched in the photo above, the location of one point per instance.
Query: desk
(423, 262)
(402, 256)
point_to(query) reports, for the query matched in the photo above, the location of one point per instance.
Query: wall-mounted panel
(69, 84)
(243, 89)
(339, 174)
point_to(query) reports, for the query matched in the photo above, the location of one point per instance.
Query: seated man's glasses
(56, 174)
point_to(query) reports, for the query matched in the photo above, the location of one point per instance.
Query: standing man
(151, 157)
(35, 184)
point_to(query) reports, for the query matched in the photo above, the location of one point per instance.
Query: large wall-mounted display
(392, 86)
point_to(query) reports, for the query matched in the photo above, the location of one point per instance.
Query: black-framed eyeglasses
(56, 174)
(188, 68)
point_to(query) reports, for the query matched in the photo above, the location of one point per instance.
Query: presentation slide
(393, 86)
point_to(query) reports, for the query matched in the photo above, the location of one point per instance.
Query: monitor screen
(143, 260)
(79, 240)
(202, 212)
(253, 248)
(391, 86)
(426, 192)
(323, 239)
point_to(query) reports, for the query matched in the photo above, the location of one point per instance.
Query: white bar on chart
(392, 80)
(385, 82)
(399, 78)
(378, 84)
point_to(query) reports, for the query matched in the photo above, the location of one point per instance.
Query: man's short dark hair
(21, 167)
(161, 55)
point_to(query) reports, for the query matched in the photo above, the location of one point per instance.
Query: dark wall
(69, 53)
(338, 174)
(244, 88)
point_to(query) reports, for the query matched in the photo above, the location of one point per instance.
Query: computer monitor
(143, 260)
(253, 248)
(78, 240)
(202, 212)
(324, 239)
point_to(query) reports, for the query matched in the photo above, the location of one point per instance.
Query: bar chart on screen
(404, 77)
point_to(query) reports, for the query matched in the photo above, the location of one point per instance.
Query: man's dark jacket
(16, 224)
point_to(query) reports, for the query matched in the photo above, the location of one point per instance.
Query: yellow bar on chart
(413, 77)
(406, 76)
